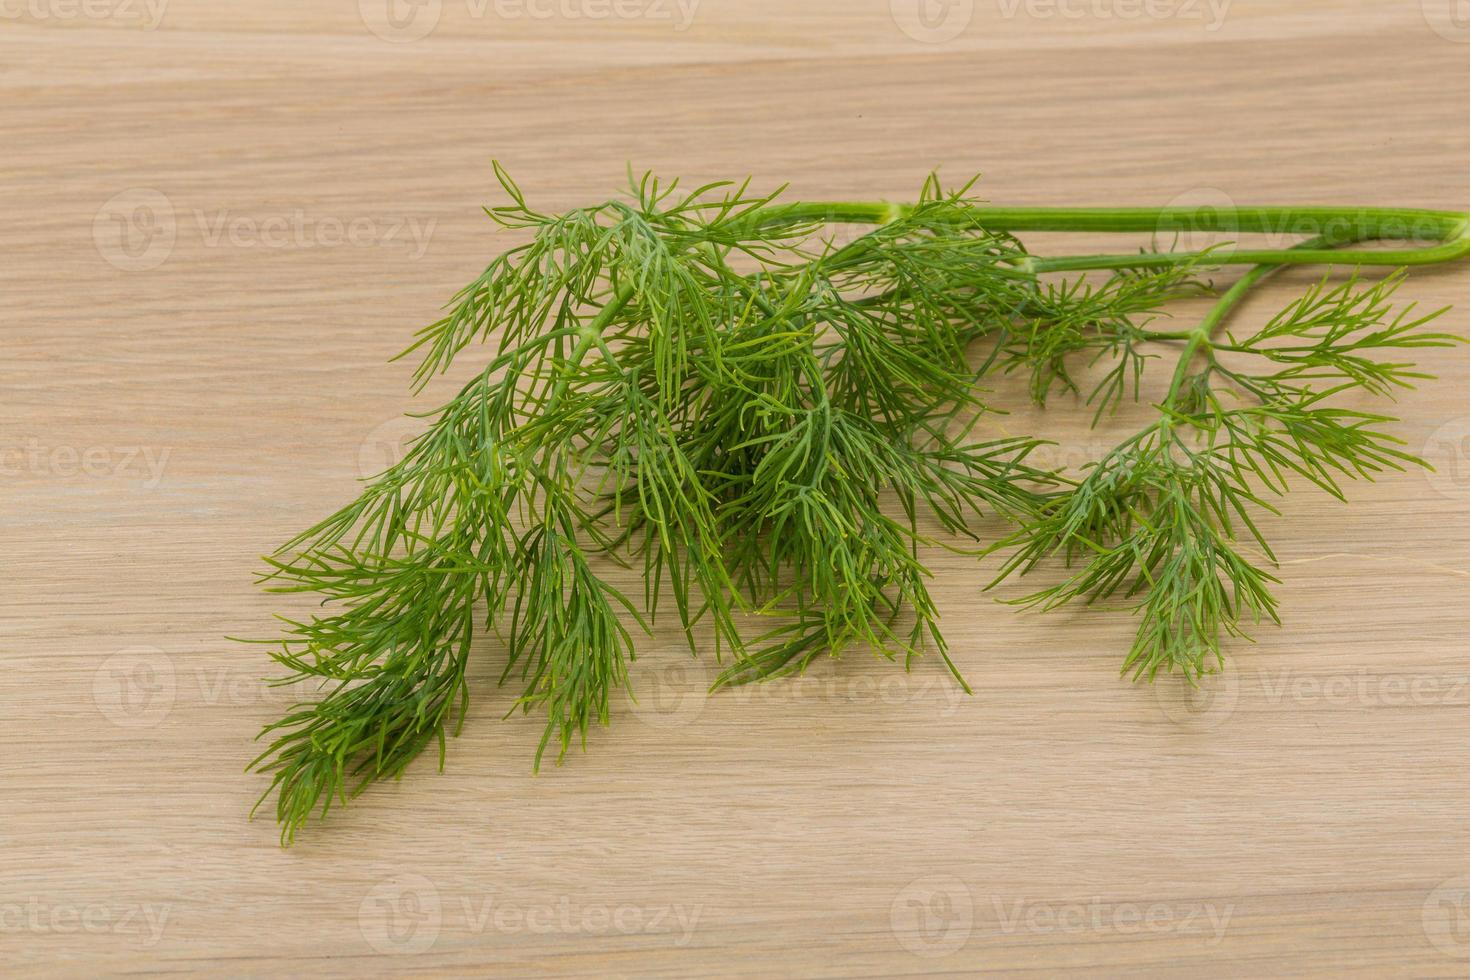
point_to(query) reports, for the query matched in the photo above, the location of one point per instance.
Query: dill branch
(705, 381)
(1159, 520)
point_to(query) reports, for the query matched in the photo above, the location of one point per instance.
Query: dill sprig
(771, 422)
(1165, 518)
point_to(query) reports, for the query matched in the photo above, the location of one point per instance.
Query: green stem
(1200, 338)
(1450, 229)
(1396, 258)
(588, 337)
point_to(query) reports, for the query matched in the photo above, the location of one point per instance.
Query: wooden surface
(298, 194)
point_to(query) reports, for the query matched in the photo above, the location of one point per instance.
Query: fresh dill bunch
(709, 384)
(696, 381)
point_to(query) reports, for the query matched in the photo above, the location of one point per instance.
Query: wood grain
(303, 193)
